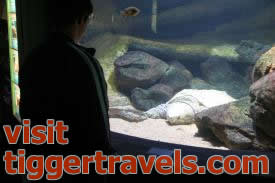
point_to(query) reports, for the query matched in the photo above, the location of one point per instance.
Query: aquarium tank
(191, 72)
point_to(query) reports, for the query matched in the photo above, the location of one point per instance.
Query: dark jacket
(63, 81)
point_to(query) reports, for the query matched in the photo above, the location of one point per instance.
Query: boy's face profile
(82, 25)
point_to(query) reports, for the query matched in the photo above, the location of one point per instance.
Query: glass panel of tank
(180, 71)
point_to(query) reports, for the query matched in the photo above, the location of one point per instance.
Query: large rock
(143, 99)
(219, 73)
(250, 51)
(177, 76)
(138, 69)
(230, 123)
(262, 109)
(264, 64)
(175, 79)
(183, 107)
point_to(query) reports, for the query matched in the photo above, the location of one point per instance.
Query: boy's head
(65, 13)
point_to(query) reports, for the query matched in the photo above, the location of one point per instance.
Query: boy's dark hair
(65, 12)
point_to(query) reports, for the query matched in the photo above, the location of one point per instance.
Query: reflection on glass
(12, 6)
(14, 60)
(12, 18)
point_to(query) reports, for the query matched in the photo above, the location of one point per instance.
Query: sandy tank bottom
(160, 130)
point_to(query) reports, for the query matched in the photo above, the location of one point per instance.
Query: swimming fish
(130, 11)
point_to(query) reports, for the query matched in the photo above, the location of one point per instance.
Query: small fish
(130, 11)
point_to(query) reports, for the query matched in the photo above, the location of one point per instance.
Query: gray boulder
(249, 51)
(177, 76)
(231, 124)
(138, 69)
(262, 109)
(219, 73)
(175, 79)
(144, 100)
